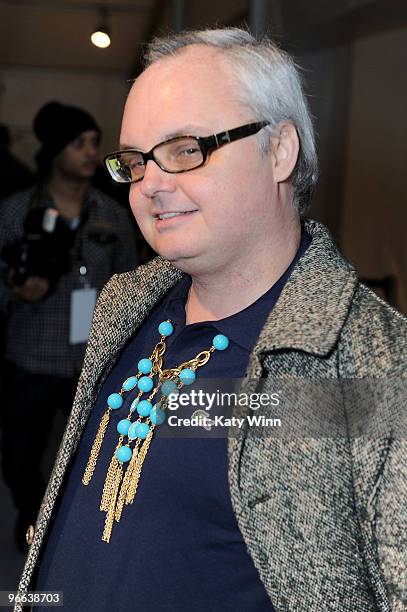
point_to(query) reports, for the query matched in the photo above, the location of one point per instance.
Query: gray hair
(270, 86)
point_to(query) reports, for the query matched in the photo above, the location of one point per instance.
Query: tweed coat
(323, 517)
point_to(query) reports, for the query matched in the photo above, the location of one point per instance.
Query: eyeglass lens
(175, 155)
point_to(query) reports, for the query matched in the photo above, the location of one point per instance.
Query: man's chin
(174, 257)
(194, 265)
(178, 257)
(185, 257)
(82, 175)
(87, 174)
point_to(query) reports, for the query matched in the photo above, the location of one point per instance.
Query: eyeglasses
(179, 154)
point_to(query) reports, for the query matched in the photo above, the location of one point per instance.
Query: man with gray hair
(218, 146)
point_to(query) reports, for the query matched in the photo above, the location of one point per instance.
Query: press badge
(83, 303)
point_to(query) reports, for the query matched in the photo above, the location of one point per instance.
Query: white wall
(326, 74)
(374, 212)
(359, 100)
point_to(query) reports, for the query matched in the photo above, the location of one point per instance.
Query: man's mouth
(169, 215)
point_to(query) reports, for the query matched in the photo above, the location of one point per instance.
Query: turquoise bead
(220, 342)
(145, 384)
(132, 431)
(168, 387)
(145, 365)
(187, 376)
(165, 328)
(141, 430)
(115, 401)
(144, 408)
(130, 383)
(124, 454)
(157, 415)
(134, 404)
(123, 427)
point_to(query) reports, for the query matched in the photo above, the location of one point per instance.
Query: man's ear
(285, 149)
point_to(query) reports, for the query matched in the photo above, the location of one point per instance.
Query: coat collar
(315, 301)
(313, 305)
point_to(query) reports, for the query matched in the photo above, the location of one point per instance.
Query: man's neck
(217, 296)
(68, 195)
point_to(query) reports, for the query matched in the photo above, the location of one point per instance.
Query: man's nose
(156, 180)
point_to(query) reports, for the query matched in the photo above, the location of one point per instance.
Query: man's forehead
(191, 58)
(177, 96)
(192, 70)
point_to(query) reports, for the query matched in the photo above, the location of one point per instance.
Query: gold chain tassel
(135, 477)
(97, 444)
(126, 483)
(107, 531)
(109, 481)
(121, 485)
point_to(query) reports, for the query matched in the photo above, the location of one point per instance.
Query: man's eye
(191, 151)
(135, 163)
(187, 152)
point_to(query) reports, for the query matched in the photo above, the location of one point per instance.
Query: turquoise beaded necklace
(120, 487)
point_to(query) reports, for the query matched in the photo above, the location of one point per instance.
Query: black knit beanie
(55, 126)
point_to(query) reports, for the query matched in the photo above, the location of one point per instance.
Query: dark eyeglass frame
(207, 144)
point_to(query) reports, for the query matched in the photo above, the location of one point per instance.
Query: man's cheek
(135, 207)
(146, 223)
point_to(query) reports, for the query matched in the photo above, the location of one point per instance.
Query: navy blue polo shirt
(178, 546)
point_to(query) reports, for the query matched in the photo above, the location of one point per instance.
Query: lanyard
(83, 276)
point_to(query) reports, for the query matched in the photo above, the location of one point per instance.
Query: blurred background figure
(14, 174)
(60, 241)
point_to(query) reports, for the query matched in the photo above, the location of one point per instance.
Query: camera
(44, 251)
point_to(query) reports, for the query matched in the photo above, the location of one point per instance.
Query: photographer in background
(60, 241)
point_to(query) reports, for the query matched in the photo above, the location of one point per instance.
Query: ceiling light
(101, 36)
(100, 39)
